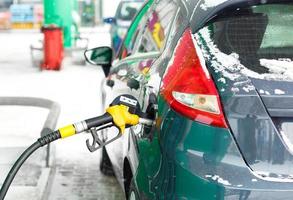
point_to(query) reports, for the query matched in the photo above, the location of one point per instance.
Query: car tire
(132, 193)
(105, 165)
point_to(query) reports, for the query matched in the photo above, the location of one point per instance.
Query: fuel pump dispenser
(123, 112)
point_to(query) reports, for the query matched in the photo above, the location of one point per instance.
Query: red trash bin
(53, 48)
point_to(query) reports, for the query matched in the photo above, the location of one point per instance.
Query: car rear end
(229, 87)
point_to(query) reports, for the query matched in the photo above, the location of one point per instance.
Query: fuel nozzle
(123, 112)
(126, 112)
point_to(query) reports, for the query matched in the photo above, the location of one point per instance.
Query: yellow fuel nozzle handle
(119, 115)
(122, 117)
(123, 112)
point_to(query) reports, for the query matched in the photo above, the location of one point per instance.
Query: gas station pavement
(74, 171)
(82, 180)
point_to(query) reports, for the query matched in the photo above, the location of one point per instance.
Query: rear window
(257, 40)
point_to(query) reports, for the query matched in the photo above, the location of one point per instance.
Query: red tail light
(188, 87)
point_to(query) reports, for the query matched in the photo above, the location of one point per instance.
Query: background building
(91, 12)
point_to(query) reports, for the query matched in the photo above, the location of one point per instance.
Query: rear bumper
(194, 187)
(207, 164)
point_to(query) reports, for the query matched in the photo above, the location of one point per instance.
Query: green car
(216, 78)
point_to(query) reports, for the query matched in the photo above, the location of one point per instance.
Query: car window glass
(157, 27)
(136, 34)
(177, 26)
(256, 40)
(128, 10)
(134, 30)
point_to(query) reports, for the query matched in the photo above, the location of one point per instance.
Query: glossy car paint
(179, 158)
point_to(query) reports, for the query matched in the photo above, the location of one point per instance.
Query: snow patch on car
(230, 66)
(267, 93)
(216, 57)
(235, 89)
(211, 3)
(261, 91)
(218, 179)
(248, 88)
(223, 80)
(278, 91)
(231, 69)
(267, 176)
(283, 66)
(201, 58)
(286, 141)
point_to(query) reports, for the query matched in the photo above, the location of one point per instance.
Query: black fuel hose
(118, 115)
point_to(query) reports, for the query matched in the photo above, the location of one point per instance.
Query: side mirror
(110, 20)
(100, 56)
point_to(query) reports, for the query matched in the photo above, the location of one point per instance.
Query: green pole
(59, 12)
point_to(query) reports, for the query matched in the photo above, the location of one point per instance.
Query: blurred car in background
(216, 76)
(125, 12)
